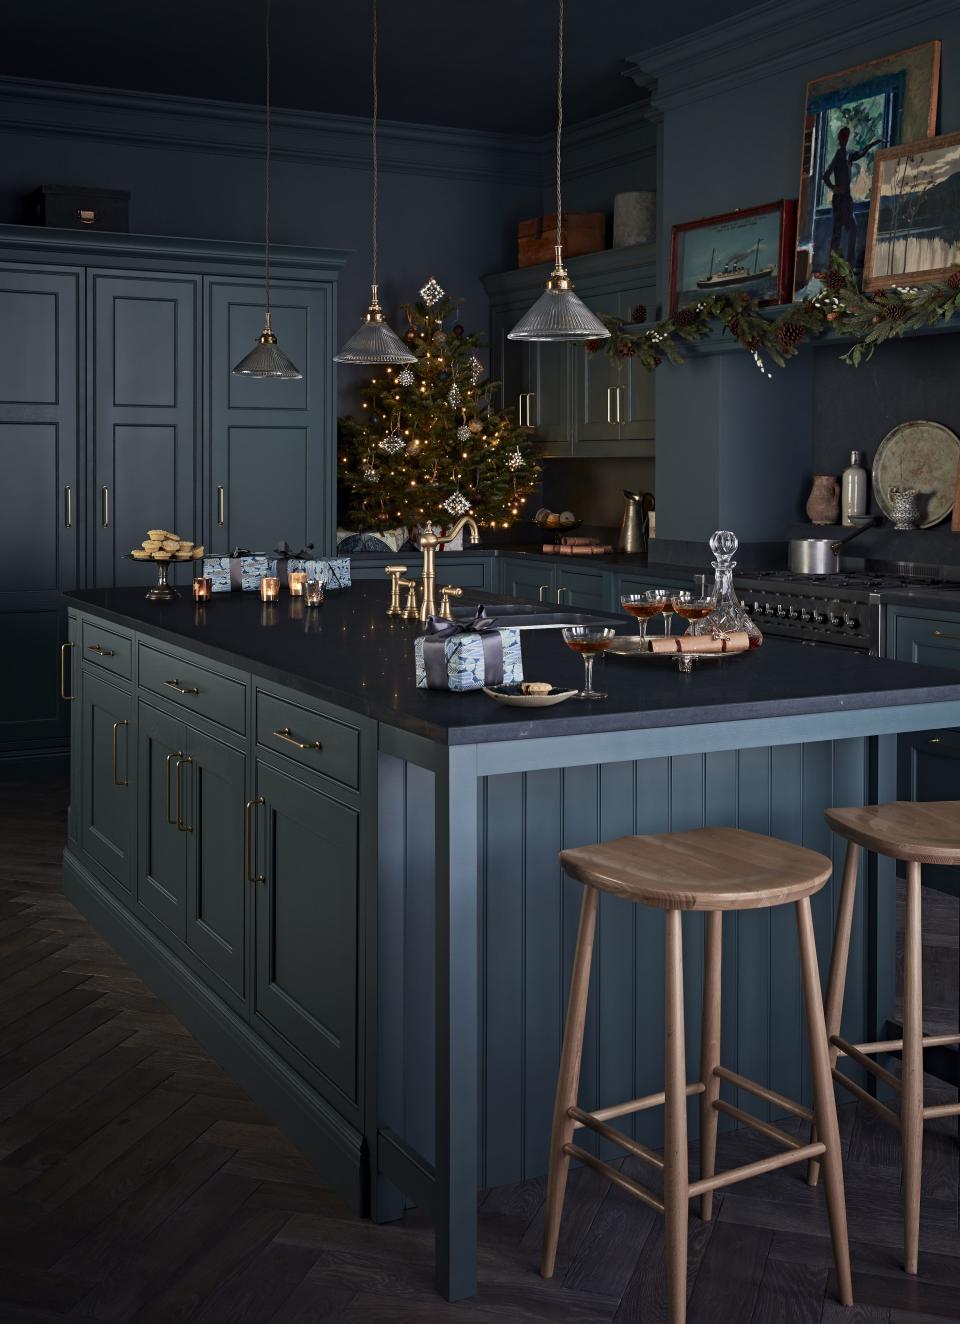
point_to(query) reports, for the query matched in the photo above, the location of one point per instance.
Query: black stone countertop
(357, 657)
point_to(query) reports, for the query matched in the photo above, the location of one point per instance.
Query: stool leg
(824, 1101)
(837, 982)
(569, 1078)
(675, 1179)
(911, 1109)
(710, 1053)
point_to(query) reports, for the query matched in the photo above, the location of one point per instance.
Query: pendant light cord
(376, 162)
(266, 208)
(559, 122)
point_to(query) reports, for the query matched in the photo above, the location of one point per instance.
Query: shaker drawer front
(196, 689)
(931, 639)
(105, 648)
(321, 743)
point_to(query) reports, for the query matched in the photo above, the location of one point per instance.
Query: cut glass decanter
(728, 615)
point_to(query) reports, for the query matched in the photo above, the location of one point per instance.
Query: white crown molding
(770, 39)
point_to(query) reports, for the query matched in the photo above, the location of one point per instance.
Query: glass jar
(727, 615)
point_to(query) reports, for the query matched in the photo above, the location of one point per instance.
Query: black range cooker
(843, 610)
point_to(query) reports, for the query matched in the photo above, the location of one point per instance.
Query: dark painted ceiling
(480, 64)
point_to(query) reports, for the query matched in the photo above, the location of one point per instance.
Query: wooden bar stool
(709, 869)
(917, 834)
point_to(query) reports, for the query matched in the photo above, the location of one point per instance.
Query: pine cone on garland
(594, 345)
(638, 313)
(733, 326)
(790, 334)
(626, 349)
(833, 279)
(895, 312)
(953, 281)
(686, 316)
(657, 360)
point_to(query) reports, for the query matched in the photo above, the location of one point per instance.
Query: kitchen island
(349, 890)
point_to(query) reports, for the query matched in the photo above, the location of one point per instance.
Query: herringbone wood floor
(137, 1182)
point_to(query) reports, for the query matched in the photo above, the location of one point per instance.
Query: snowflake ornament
(370, 473)
(393, 442)
(456, 503)
(476, 369)
(515, 459)
(463, 433)
(405, 378)
(432, 292)
(453, 395)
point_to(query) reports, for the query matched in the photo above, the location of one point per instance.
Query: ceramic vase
(823, 503)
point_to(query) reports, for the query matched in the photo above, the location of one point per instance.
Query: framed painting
(750, 250)
(913, 232)
(848, 117)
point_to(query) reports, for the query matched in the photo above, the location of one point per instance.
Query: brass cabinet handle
(177, 754)
(117, 781)
(63, 672)
(286, 734)
(248, 864)
(104, 652)
(541, 589)
(562, 589)
(105, 507)
(609, 410)
(528, 396)
(617, 397)
(68, 506)
(940, 634)
(175, 685)
(220, 507)
(181, 825)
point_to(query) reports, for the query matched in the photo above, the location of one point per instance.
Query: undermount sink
(524, 616)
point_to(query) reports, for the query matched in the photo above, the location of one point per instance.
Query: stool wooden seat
(709, 869)
(703, 869)
(925, 833)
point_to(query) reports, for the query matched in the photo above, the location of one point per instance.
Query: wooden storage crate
(583, 232)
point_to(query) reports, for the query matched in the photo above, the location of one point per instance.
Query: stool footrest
(639, 1105)
(761, 1092)
(765, 1128)
(868, 1064)
(896, 1045)
(614, 1175)
(941, 1110)
(881, 1109)
(748, 1170)
(617, 1137)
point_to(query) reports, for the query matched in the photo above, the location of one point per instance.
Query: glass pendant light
(374, 342)
(267, 359)
(559, 314)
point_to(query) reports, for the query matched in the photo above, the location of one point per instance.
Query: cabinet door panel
(145, 408)
(307, 928)
(273, 449)
(30, 509)
(216, 888)
(162, 875)
(552, 366)
(108, 748)
(588, 589)
(531, 581)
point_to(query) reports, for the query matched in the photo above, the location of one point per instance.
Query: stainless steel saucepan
(819, 556)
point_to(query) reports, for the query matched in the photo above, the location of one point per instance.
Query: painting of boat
(750, 251)
(733, 273)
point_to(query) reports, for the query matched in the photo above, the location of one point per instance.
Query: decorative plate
(513, 695)
(923, 455)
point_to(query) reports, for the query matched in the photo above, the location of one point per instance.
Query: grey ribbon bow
(439, 630)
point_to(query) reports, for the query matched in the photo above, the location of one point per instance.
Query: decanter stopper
(724, 545)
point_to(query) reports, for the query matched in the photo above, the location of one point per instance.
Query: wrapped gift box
(333, 570)
(462, 658)
(237, 572)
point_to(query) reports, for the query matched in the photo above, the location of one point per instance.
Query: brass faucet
(429, 542)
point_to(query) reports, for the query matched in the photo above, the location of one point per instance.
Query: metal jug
(635, 523)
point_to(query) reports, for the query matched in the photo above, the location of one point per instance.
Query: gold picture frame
(913, 230)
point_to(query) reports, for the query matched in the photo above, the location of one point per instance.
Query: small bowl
(513, 695)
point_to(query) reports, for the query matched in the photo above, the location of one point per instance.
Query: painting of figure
(914, 230)
(850, 117)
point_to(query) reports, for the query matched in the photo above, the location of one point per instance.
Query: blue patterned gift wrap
(334, 571)
(465, 666)
(247, 572)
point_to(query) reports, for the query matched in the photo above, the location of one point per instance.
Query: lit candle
(313, 592)
(296, 579)
(269, 588)
(203, 588)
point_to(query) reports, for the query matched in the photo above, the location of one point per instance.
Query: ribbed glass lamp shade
(374, 342)
(267, 359)
(559, 314)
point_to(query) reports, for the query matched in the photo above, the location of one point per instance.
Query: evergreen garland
(841, 306)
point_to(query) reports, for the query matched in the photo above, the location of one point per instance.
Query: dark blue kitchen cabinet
(40, 500)
(306, 927)
(531, 581)
(271, 474)
(162, 875)
(144, 340)
(108, 803)
(532, 376)
(584, 588)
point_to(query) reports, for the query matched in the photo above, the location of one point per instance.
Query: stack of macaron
(159, 545)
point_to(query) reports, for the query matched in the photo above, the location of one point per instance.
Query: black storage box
(75, 208)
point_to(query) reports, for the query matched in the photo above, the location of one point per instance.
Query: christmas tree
(429, 445)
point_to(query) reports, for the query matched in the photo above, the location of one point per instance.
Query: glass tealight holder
(203, 588)
(296, 580)
(269, 588)
(313, 592)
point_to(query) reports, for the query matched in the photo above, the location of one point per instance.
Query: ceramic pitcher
(823, 503)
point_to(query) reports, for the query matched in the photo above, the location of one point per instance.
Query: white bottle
(853, 497)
